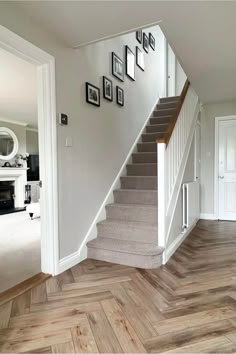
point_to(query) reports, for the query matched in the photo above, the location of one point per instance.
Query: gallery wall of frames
(120, 69)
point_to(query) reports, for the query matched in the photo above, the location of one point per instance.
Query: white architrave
(47, 142)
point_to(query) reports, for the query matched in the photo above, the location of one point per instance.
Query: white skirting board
(177, 242)
(77, 257)
(205, 216)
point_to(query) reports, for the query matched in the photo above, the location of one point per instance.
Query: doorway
(225, 168)
(170, 71)
(45, 72)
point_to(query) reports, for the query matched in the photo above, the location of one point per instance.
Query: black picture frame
(107, 89)
(117, 67)
(130, 63)
(140, 58)
(145, 43)
(92, 94)
(119, 96)
(139, 36)
(152, 41)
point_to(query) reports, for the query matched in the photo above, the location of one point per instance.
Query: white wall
(180, 79)
(209, 112)
(19, 130)
(101, 136)
(32, 142)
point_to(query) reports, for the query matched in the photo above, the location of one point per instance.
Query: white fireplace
(18, 177)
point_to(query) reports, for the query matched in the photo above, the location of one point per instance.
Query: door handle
(221, 177)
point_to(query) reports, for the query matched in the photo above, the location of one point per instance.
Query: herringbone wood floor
(189, 305)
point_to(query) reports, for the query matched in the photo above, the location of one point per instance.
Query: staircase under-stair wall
(129, 235)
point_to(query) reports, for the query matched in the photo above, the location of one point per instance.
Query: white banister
(171, 162)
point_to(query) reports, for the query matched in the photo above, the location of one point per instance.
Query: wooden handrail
(166, 138)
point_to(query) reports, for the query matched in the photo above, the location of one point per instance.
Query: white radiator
(191, 206)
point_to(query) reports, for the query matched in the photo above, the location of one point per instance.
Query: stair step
(147, 147)
(134, 254)
(160, 120)
(144, 157)
(139, 169)
(149, 137)
(139, 182)
(127, 231)
(163, 112)
(169, 99)
(132, 212)
(135, 196)
(155, 128)
(166, 105)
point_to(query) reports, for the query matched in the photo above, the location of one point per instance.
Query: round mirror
(8, 144)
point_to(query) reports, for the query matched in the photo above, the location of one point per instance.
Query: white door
(171, 71)
(197, 161)
(227, 169)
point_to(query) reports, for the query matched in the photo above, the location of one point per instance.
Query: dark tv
(33, 168)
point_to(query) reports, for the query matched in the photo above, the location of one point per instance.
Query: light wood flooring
(187, 306)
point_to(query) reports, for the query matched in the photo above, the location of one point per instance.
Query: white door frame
(166, 69)
(216, 172)
(47, 142)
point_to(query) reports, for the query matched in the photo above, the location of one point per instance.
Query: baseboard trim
(69, 261)
(21, 288)
(205, 216)
(177, 242)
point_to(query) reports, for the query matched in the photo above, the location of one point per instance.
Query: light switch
(69, 141)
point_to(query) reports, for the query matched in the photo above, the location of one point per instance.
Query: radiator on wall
(191, 203)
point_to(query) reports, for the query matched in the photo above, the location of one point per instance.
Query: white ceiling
(202, 33)
(18, 90)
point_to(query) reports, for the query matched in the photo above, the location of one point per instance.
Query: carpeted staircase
(129, 234)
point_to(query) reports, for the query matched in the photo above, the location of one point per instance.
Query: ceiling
(18, 90)
(202, 33)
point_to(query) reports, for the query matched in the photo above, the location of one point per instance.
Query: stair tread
(132, 206)
(138, 176)
(136, 190)
(141, 163)
(123, 246)
(132, 224)
(157, 125)
(145, 152)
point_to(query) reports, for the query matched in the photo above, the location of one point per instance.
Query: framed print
(117, 67)
(92, 94)
(130, 63)
(107, 89)
(152, 41)
(145, 43)
(119, 96)
(139, 58)
(139, 35)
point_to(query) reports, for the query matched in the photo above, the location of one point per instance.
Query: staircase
(129, 234)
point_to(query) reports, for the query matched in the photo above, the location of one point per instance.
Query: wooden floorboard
(186, 306)
(21, 288)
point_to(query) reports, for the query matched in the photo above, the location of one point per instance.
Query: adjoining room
(19, 172)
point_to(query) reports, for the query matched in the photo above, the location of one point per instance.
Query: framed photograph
(145, 43)
(130, 63)
(117, 67)
(107, 89)
(92, 94)
(139, 58)
(139, 36)
(152, 41)
(119, 96)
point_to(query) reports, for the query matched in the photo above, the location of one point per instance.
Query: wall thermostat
(63, 119)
